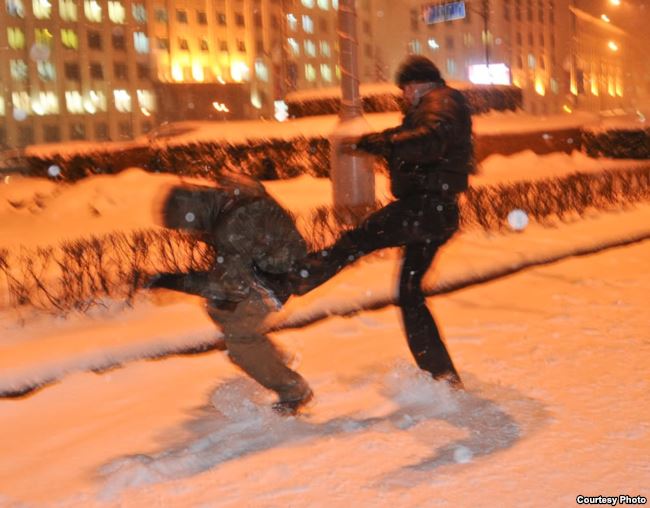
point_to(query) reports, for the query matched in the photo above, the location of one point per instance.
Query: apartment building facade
(73, 70)
(221, 54)
(562, 53)
(312, 43)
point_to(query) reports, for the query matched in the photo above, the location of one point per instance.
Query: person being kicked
(246, 228)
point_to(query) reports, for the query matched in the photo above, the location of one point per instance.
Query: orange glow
(177, 72)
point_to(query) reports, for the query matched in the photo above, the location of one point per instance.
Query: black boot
(291, 407)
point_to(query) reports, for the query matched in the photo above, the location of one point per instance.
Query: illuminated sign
(495, 74)
(443, 11)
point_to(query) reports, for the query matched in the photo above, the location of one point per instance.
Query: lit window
(531, 61)
(94, 101)
(116, 11)
(42, 9)
(325, 49)
(15, 8)
(45, 103)
(45, 70)
(281, 111)
(324, 4)
(292, 22)
(307, 24)
(16, 38)
(141, 42)
(122, 100)
(146, 101)
(414, 47)
(68, 10)
(433, 44)
(92, 10)
(326, 72)
(21, 101)
(468, 40)
(261, 71)
(310, 48)
(69, 38)
(18, 70)
(198, 72)
(295, 47)
(310, 72)
(43, 37)
(239, 72)
(73, 101)
(308, 3)
(335, 5)
(451, 66)
(2, 106)
(139, 13)
(256, 99)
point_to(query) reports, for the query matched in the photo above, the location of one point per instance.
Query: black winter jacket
(431, 152)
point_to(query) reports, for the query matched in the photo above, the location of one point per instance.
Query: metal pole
(353, 181)
(486, 16)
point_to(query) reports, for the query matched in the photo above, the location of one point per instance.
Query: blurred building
(562, 53)
(113, 69)
(73, 70)
(217, 59)
(312, 43)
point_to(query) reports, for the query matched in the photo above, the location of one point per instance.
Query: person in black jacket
(429, 158)
(246, 229)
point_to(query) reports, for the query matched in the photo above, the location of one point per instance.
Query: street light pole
(485, 14)
(353, 181)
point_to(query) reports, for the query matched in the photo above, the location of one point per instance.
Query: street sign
(443, 11)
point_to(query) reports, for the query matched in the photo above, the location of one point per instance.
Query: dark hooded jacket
(431, 152)
(245, 227)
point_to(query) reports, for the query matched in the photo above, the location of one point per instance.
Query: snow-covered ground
(555, 358)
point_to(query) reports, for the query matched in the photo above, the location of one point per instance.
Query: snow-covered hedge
(618, 143)
(379, 99)
(81, 273)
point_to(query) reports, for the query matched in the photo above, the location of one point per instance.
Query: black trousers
(419, 224)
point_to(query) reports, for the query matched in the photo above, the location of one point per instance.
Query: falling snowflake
(54, 171)
(463, 455)
(518, 219)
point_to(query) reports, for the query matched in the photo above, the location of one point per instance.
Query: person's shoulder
(443, 96)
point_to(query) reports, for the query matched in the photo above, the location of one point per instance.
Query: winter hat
(418, 69)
